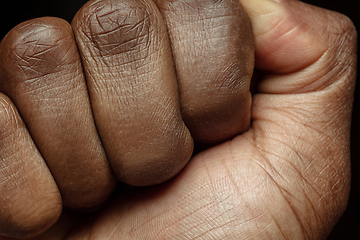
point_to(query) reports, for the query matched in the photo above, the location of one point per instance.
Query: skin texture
(41, 73)
(133, 90)
(214, 77)
(137, 88)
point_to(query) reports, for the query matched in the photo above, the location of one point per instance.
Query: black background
(15, 11)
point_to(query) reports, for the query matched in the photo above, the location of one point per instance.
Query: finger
(213, 49)
(133, 89)
(30, 201)
(41, 72)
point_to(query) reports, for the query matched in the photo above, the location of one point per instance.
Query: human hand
(286, 177)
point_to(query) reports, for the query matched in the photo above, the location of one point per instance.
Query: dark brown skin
(27, 186)
(214, 77)
(41, 72)
(135, 97)
(111, 97)
(126, 90)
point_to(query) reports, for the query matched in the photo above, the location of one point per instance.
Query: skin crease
(226, 48)
(136, 106)
(286, 177)
(35, 74)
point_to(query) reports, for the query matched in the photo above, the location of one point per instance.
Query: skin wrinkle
(292, 208)
(310, 149)
(313, 209)
(280, 183)
(54, 94)
(260, 230)
(142, 21)
(196, 226)
(217, 203)
(278, 225)
(196, 83)
(307, 183)
(233, 181)
(30, 70)
(45, 48)
(338, 27)
(285, 24)
(130, 62)
(7, 119)
(35, 82)
(202, 4)
(138, 39)
(10, 175)
(60, 80)
(11, 152)
(8, 167)
(322, 78)
(181, 207)
(133, 65)
(16, 180)
(137, 86)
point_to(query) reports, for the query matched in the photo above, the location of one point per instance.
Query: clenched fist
(126, 91)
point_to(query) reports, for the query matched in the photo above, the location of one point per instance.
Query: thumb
(302, 48)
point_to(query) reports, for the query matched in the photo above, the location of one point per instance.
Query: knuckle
(341, 50)
(36, 47)
(342, 29)
(115, 27)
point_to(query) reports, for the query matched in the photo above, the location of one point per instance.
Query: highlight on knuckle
(37, 48)
(116, 27)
